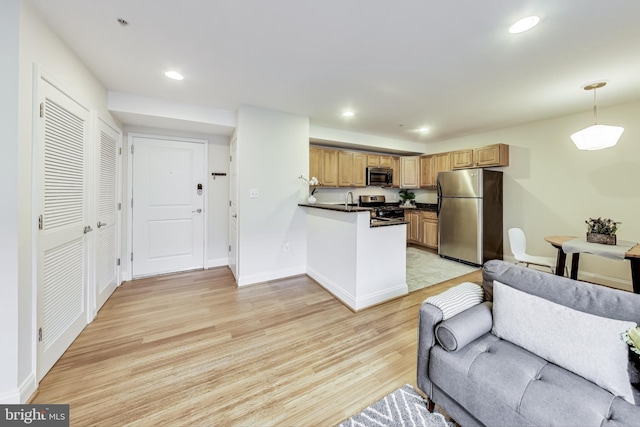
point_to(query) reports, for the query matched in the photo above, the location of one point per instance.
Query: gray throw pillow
(587, 345)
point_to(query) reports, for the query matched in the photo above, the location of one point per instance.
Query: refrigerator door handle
(439, 194)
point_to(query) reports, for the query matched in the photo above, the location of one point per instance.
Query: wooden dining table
(633, 255)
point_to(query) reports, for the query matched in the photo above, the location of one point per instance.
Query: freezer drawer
(460, 229)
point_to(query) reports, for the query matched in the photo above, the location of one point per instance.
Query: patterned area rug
(404, 407)
(425, 268)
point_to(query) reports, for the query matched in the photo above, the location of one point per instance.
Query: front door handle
(87, 229)
(235, 215)
(197, 211)
(101, 224)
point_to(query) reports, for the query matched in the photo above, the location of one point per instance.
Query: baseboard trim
(10, 397)
(253, 279)
(358, 303)
(28, 388)
(217, 262)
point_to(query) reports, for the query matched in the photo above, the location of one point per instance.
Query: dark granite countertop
(431, 207)
(337, 207)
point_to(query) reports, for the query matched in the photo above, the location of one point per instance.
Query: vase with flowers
(602, 230)
(313, 183)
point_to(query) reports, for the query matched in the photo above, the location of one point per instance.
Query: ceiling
(451, 66)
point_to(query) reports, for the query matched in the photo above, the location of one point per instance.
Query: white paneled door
(168, 205)
(62, 240)
(107, 183)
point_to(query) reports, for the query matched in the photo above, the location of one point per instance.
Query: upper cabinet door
(409, 172)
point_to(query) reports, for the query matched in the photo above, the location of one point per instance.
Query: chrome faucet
(346, 199)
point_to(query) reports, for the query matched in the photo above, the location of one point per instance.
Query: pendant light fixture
(596, 137)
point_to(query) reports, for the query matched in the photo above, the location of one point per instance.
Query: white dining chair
(518, 243)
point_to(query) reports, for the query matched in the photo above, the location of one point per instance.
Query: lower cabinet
(422, 228)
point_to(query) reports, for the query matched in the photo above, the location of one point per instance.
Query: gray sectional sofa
(512, 361)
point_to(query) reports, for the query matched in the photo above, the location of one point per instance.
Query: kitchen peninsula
(361, 261)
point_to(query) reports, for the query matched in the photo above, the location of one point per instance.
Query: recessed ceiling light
(423, 130)
(524, 24)
(174, 75)
(348, 114)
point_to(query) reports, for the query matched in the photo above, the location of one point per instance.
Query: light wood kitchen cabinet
(442, 163)
(395, 165)
(491, 155)
(329, 168)
(410, 172)
(316, 163)
(427, 178)
(359, 170)
(379, 161)
(351, 169)
(429, 235)
(413, 226)
(462, 159)
(422, 228)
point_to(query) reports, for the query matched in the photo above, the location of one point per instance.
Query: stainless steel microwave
(380, 177)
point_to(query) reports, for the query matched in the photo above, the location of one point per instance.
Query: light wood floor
(192, 349)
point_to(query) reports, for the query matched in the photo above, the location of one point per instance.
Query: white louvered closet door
(62, 242)
(106, 231)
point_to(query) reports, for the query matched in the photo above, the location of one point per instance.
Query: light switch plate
(254, 193)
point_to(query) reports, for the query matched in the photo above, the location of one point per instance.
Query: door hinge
(119, 150)
(131, 203)
(230, 158)
(131, 256)
(40, 222)
(119, 206)
(118, 261)
(229, 248)
(229, 203)
(42, 109)
(39, 334)
(132, 149)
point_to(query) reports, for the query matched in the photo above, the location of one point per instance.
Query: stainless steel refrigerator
(470, 215)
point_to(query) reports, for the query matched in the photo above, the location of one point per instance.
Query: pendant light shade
(596, 137)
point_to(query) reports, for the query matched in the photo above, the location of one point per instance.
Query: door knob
(101, 224)
(87, 229)
(197, 211)
(235, 215)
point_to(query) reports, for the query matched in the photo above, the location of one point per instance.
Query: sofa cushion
(457, 299)
(502, 384)
(585, 344)
(461, 329)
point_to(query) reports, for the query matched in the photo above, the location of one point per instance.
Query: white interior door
(107, 172)
(168, 206)
(62, 268)
(233, 208)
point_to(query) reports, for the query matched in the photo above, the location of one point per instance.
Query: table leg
(561, 261)
(575, 261)
(635, 274)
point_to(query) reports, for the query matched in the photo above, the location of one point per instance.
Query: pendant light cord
(595, 109)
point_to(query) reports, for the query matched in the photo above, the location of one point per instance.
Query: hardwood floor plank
(192, 349)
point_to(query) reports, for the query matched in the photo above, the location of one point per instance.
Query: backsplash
(337, 195)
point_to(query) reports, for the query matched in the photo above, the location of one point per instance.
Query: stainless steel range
(380, 208)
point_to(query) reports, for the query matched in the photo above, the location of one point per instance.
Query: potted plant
(602, 230)
(407, 196)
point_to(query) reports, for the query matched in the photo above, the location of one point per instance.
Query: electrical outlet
(286, 247)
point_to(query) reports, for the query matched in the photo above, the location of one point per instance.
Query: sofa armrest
(428, 318)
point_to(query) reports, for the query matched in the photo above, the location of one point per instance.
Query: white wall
(551, 187)
(9, 290)
(37, 45)
(273, 151)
